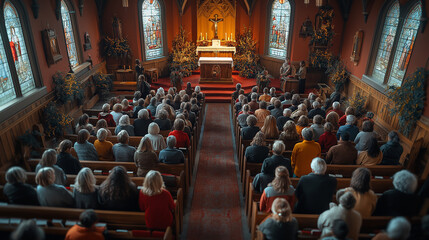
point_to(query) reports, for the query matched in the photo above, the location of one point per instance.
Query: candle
(201, 36)
(231, 36)
(206, 35)
(225, 36)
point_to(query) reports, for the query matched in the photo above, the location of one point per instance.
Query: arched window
(279, 28)
(69, 35)
(18, 49)
(394, 50)
(386, 41)
(7, 91)
(405, 45)
(152, 28)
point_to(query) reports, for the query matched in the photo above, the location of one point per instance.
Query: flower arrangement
(321, 59)
(245, 58)
(116, 47)
(203, 43)
(322, 37)
(55, 122)
(358, 102)
(67, 88)
(338, 75)
(325, 33)
(102, 83)
(183, 55)
(409, 100)
(231, 43)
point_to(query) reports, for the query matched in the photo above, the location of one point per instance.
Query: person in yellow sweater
(304, 152)
(103, 147)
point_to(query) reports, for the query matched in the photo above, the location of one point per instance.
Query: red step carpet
(215, 211)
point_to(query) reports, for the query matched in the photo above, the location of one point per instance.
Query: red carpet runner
(215, 210)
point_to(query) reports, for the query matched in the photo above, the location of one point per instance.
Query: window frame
(268, 26)
(404, 11)
(75, 29)
(21, 101)
(164, 31)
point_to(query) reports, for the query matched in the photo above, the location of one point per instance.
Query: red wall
(356, 22)
(257, 21)
(88, 22)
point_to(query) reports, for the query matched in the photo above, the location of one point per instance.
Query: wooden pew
(114, 219)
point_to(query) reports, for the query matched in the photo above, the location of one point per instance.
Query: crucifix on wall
(215, 20)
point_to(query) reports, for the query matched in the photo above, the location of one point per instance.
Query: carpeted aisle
(215, 211)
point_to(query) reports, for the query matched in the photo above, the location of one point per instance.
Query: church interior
(214, 119)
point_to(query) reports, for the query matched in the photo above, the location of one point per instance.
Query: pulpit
(215, 69)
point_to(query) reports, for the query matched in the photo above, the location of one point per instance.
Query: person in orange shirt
(261, 114)
(302, 123)
(304, 152)
(86, 229)
(265, 97)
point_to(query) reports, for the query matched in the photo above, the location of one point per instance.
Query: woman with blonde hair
(258, 150)
(85, 193)
(126, 107)
(124, 124)
(281, 224)
(333, 118)
(170, 112)
(157, 140)
(289, 133)
(156, 202)
(102, 123)
(145, 158)
(16, 190)
(280, 187)
(301, 111)
(49, 159)
(117, 112)
(270, 128)
(302, 123)
(103, 147)
(49, 193)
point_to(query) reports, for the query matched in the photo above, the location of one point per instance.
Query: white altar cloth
(215, 49)
(213, 60)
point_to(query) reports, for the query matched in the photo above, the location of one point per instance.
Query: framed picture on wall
(50, 45)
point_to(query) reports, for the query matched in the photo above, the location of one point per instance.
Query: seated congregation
(310, 170)
(149, 175)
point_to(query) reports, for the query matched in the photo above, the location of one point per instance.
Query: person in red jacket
(182, 139)
(349, 111)
(280, 187)
(86, 229)
(327, 139)
(156, 202)
(105, 114)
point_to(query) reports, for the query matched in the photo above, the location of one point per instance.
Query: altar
(215, 51)
(215, 69)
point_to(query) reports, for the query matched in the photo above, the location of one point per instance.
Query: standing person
(139, 69)
(65, 160)
(156, 202)
(281, 224)
(301, 75)
(143, 86)
(86, 228)
(314, 191)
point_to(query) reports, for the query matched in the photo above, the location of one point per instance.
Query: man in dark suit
(314, 191)
(247, 133)
(171, 155)
(278, 110)
(283, 119)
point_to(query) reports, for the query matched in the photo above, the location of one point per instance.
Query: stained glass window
(386, 42)
(18, 48)
(279, 28)
(405, 45)
(7, 92)
(152, 29)
(69, 35)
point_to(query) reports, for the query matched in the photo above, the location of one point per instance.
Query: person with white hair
(124, 124)
(141, 123)
(316, 110)
(336, 107)
(162, 120)
(122, 151)
(402, 200)
(304, 152)
(243, 117)
(350, 127)
(345, 212)
(281, 121)
(157, 140)
(105, 114)
(398, 229)
(317, 127)
(103, 147)
(273, 92)
(249, 132)
(171, 155)
(302, 110)
(314, 191)
(16, 190)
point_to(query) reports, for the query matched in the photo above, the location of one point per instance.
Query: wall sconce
(124, 3)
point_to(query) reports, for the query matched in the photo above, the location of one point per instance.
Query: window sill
(271, 58)
(159, 59)
(18, 104)
(382, 88)
(81, 69)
